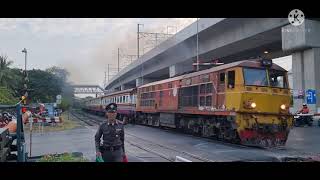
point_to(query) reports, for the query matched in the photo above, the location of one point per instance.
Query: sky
(84, 46)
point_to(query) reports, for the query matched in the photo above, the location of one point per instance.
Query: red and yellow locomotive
(244, 102)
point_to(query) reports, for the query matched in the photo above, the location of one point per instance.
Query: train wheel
(220, 134)
(236, 138)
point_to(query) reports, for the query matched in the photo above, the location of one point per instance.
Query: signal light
(24, 99)
(24, 109)
(266, 62)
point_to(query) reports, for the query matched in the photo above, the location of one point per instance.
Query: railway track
(84, 119)
(146, 145)
(156, 147)
(210, 140)
(165, 152)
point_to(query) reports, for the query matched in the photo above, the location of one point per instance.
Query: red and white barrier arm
(48, 120)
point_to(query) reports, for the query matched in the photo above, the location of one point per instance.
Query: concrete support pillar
(304, 42)
(141, 81)
(117, 88)
(179, 69)
(306, 75)
(126, 86)
(122, 87)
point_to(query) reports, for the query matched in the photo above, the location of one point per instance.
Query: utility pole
(108, 71)
(156, 39)
(26, 93)
(197, 44)
(118, 59)
(25, 71)
(105, 79)
(138, 39)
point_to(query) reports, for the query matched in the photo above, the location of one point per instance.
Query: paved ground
(147, 144)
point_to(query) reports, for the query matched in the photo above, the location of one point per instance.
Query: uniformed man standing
(112, 148)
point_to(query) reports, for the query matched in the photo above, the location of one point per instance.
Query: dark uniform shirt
(113, 135)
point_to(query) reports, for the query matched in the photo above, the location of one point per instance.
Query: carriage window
(209, 88)
(202, 101)
(255, 77)
(231, 79)
(189, 96)
(202, 88)
(208, 100)
(170, 85)
(277, 79)
(222, 75)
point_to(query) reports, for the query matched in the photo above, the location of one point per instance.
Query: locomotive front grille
(264, 89)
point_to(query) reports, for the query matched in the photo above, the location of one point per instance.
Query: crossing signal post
(26, 79)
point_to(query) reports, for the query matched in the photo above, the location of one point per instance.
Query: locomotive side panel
(221, 89)
(168, 96)
(234, 88)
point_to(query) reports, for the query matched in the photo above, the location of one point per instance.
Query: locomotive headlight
(249, 104)
(253, 105)
(283, 107)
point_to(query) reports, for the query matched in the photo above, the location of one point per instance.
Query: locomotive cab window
(222, 77)
(231, 79)
(278, 79)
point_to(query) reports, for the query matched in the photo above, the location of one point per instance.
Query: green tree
(6, 75)
(6, 97)
(66, 88)
(17, 82)
(44, 86)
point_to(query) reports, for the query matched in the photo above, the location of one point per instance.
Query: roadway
(149, 144)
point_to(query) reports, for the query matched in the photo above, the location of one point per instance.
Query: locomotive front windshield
(258, 77)
(255, 77)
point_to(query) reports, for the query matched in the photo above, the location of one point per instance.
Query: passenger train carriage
(244, 102)
(124, 99)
